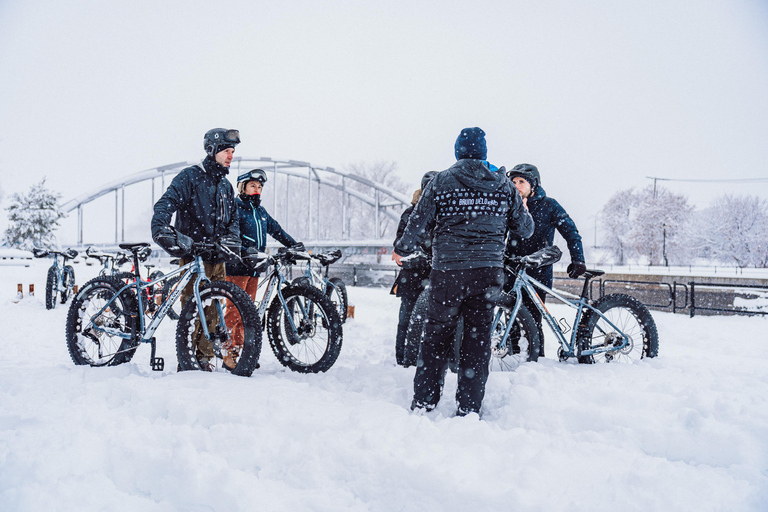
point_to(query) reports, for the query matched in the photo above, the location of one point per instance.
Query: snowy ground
(687, 431)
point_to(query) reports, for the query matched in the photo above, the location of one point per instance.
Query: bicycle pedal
(157, 363)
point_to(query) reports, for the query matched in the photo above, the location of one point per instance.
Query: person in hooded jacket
(411, 281)
(204, 203)
(255, 225)
(466, 210)
(548, 216)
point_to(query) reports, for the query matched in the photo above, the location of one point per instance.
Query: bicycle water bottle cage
(543, 257)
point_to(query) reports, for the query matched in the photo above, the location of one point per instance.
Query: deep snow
(686, 431)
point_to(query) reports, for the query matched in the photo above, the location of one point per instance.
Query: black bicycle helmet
(218, 139)
(528, 172)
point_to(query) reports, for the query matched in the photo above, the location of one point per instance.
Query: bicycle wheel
(522, 343)
(313, 343)
(414, 336)
(191, 349)
(631, 317)
(69, 283)
(167, 287)
(91, 346)
(336, 290)
(51, 288)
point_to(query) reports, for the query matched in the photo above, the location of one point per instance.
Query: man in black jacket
(204, 203)
(467, 209)
(548, 216)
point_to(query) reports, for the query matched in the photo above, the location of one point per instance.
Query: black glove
(415, 261)
(576, 268)
(176, 244)
(230, 247)
(298, 247)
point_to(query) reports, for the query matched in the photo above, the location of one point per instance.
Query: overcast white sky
(598, 93)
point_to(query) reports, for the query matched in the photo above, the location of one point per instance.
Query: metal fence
(692, 297)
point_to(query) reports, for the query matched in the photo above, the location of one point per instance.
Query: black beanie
(471, 144)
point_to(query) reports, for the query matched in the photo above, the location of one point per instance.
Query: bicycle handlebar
(42, 253)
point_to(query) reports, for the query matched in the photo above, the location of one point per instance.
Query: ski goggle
(232, 136)
(254, 174)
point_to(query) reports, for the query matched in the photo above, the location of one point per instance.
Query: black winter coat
(255, 225)
(204, 203)
(548, 216)
(467, 210)
(411, 282)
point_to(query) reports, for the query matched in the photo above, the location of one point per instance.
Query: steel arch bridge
(385, 204)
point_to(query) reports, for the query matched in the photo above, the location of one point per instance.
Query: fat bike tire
(414, 336)
(51, 288)
(629, 315)
(86, 344)
(336, 290)
(189, 329)
(522, 343)
(315, 344)
(68, 280)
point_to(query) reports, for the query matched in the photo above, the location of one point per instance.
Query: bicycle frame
(570, 348)
(146, 333)
(275, 279)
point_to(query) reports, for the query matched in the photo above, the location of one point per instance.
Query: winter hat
(471, 144)
(528, 172)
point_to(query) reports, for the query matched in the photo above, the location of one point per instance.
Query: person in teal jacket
(255, 225)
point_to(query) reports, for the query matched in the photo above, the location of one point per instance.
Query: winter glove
(298, 247)
(415, 261)
(576, 268)
(176, 244)
(230, 247)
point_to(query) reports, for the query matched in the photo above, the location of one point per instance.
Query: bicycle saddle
(133, 246)
(328, 258)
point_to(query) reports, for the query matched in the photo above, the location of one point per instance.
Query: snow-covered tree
(33, 218)
(647, 223)
(616, 218)
(360, 219)
(660, 227)
(735, 230)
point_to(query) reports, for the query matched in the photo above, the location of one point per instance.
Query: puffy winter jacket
(468, 209)
(255, 225)
(548, 216)
(411, 281)
(204, 203)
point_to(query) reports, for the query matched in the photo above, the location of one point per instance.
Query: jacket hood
(475, 174)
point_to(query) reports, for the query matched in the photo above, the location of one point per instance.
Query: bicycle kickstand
(157, 363)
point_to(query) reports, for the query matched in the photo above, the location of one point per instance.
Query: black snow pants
(472, 293)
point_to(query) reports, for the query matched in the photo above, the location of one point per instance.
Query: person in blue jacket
(255, 225)
(548, 216)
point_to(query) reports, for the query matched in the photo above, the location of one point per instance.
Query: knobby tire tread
(217, 290)
(641, 313)
(276, 314)
(75, 321)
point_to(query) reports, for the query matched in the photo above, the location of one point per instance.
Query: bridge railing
(385, 203)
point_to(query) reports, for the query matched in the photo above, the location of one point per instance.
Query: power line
(654, 178)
